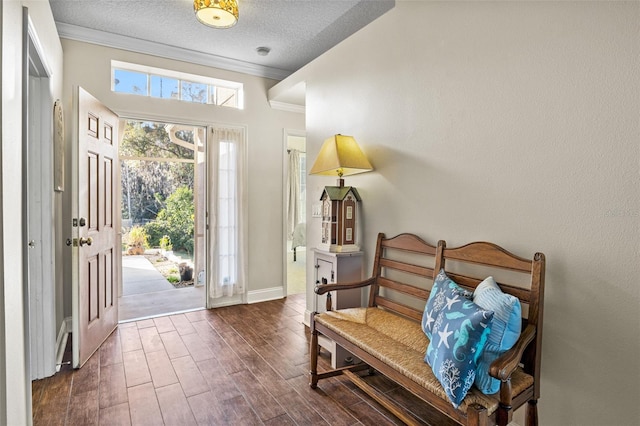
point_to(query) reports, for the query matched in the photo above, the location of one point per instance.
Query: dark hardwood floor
(237, 365)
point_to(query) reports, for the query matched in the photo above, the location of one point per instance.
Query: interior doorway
(295, 211)
(39, 269)
(162, 206)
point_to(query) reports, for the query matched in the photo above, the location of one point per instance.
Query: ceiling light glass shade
(340, 156)
(217, 13)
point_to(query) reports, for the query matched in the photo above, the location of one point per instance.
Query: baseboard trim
(226, 301)
(307, 317)
(61, 341)
(266, 294)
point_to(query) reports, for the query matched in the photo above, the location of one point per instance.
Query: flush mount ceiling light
(217, 13)
(263, 50)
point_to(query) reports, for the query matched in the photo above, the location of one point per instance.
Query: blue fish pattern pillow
(438, 300)
(459, 329)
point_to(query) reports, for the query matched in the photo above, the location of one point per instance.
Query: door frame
(38, 206)
(124, 116)
(286, 133)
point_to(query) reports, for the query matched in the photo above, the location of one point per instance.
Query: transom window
(166, 84)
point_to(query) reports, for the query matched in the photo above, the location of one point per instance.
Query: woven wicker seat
(401, 344)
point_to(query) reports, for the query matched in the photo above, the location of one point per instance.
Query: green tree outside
(176, 221)
(146, 184)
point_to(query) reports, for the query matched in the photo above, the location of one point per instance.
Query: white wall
(15, 405)
(516, 123)
(89, 66)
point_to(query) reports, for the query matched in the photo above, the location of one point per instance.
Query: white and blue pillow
(505, 329)
(457, 329)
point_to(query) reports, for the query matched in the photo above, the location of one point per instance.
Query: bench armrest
(502, 367)
(324, 288)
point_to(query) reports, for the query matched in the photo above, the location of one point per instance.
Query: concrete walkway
(139, 276)
(147, 293)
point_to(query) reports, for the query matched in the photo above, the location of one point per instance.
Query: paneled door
(95, 286)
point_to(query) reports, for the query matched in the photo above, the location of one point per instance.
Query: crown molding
(285, 106)
(102, 38)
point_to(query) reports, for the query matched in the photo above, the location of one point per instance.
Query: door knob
(83, 241)
(31, 243)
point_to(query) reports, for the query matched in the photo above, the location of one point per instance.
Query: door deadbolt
(79, 222)
(79, 242)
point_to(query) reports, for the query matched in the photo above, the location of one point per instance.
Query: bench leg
(313, 360)
(477, 415)
(531, 418)
(505, 410)
(503, 415)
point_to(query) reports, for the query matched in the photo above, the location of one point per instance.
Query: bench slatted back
(488, 254)
(384, 264)
(478, 253)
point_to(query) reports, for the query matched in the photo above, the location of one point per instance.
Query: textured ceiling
(296, 31)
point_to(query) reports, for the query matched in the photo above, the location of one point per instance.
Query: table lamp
(340, 155)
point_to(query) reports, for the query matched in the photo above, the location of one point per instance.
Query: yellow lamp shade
(340, 156)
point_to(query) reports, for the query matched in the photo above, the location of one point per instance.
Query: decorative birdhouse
(339, 215)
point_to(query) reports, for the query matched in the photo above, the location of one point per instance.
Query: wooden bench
(387, 334)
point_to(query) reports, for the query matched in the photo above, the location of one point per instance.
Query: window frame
(212, 83)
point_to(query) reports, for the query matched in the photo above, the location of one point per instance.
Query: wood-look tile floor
(245, 364)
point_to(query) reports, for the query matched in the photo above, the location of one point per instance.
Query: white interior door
(39, 212)
(96, 227)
